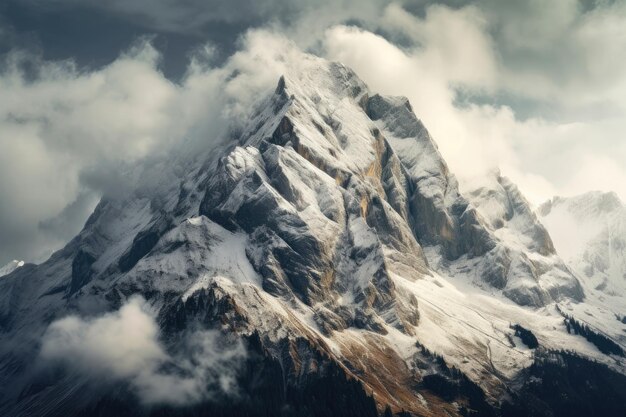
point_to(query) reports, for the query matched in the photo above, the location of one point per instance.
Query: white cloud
(473, 140)
(454, 52)
(68, 136)
(124, 345)
(470, 62)
(558, 51)
(58, 122)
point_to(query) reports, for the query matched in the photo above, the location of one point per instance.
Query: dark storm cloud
(92, 32)
(190, 16)
(94, 36)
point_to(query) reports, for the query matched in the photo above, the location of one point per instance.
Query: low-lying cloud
(124, 346)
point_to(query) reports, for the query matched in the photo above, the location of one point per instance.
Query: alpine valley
(323, 261)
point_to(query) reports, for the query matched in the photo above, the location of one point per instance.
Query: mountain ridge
(330, 235)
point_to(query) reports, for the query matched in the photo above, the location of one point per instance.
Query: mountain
(598, 220)
(10, 267)
(320, 260)
(589, 231)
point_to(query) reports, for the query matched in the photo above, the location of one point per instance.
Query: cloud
(560, 51)
(55, 121)
(194, 15)
(69, 136)
(536, 88)
(472, 139)
(443, 72)
(124, 346)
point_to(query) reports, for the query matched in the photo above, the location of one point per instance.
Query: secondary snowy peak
(10, 267)
(524, 261)
(589, 231)
(509, 214)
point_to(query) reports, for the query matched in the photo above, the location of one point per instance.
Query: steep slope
(329, 237)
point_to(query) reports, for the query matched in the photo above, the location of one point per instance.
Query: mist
(124, 346)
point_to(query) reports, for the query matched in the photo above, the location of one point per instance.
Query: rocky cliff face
(330, 237)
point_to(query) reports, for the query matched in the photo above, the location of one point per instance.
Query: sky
(89, 89)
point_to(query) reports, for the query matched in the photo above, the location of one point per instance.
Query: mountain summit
(328, 240)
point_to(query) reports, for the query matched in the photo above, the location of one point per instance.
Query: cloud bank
(68, 136)
(124, 346)
(537, 89)
(454, 66)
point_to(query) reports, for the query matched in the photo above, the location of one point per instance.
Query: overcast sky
(535, 88)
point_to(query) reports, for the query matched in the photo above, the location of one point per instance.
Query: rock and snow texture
(525, 261)
(328, 225)
(589, 232)
(10, 267)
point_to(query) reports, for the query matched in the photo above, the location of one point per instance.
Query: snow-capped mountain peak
(331, 237)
